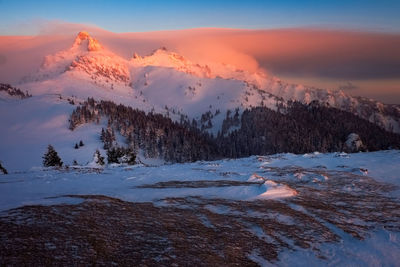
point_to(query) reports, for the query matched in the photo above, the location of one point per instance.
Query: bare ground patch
(199, 231)
(197, 184)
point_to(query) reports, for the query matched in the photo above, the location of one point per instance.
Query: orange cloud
(296, 52)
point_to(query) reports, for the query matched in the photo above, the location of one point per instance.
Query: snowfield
(137, 183)
(285, 209)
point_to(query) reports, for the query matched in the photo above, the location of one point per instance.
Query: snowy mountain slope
(165, 78)
(163, 82)
(282, 209)
(35, 122)
(386, 116)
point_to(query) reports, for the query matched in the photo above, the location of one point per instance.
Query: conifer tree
(3, 169)
(114, 154)
(130, 157)
(98, 158)
(51, 158)
(81, 143)
(76, 146)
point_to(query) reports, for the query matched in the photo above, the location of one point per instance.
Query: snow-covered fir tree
(98, 158)
(121, 155)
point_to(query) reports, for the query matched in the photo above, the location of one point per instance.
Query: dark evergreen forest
(298, 128)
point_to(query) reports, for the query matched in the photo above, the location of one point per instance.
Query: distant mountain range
(167, 83)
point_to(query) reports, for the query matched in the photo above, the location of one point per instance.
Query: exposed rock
(354, 143)
(92, 45)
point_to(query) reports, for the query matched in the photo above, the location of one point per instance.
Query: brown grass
(198, 231)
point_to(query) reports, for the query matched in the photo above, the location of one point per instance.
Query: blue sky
(25, 17)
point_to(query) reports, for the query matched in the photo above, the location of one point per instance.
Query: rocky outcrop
(354, 143)
(92, 44)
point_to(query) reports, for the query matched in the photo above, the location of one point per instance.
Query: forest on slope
(296, 128)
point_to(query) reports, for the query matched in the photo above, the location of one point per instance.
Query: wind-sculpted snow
(343, 209)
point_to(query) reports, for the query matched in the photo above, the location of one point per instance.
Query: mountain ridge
(89, 60)
(167, 83)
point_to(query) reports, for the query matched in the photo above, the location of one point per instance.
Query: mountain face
(167, 79)
(211, 98)
(86, 57)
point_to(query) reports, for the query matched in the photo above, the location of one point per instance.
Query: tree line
(154, 134)
(296, 128)
(13, 91)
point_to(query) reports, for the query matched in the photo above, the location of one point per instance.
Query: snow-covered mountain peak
(86, 58)
(164, 58)
(83, 39)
